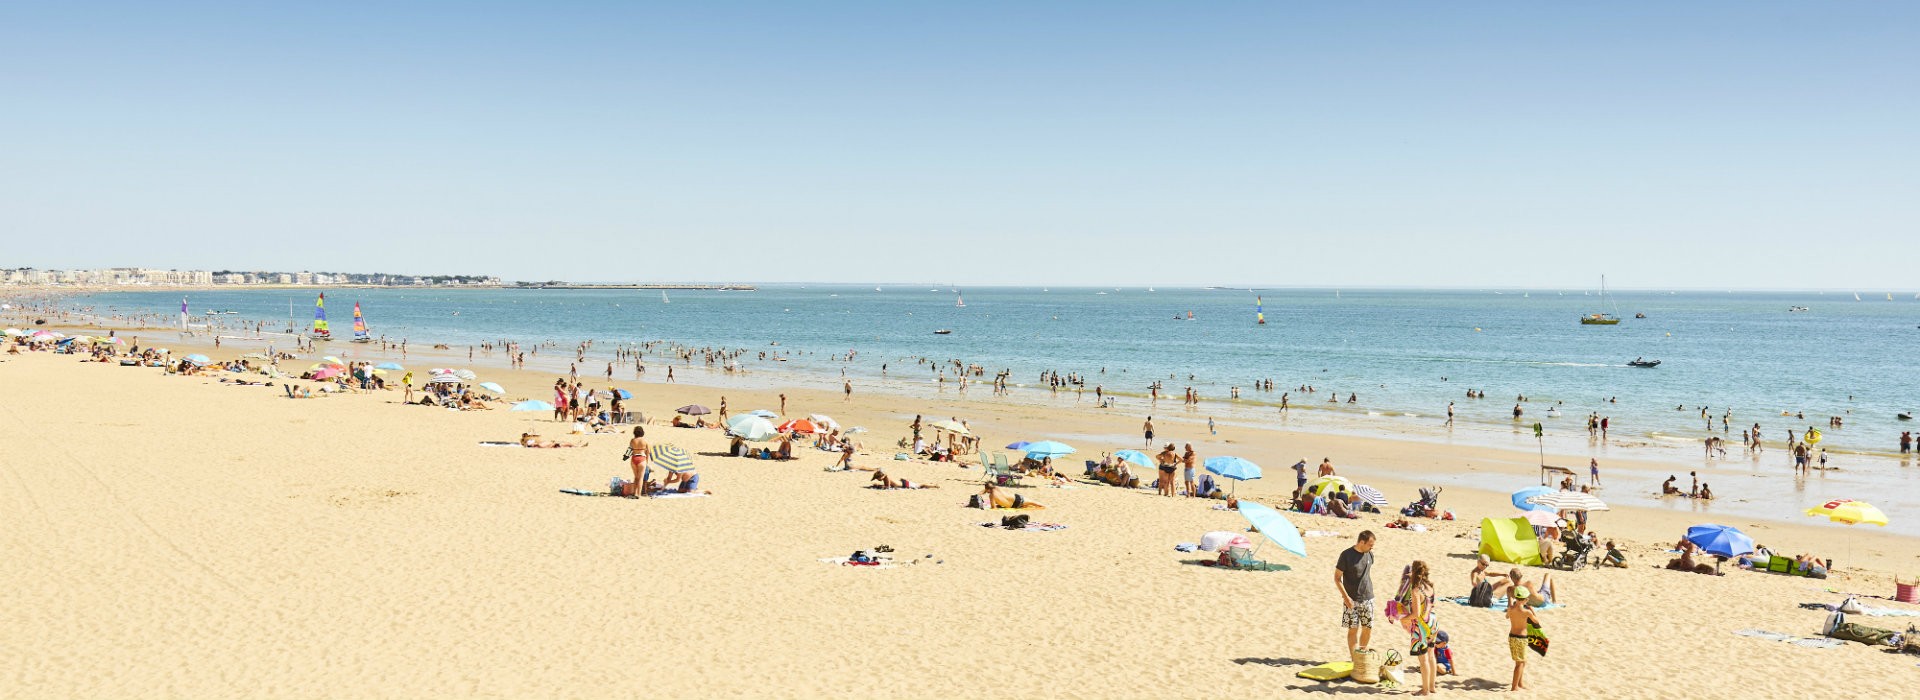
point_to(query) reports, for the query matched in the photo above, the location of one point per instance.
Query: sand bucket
(1906, 592)
(1366, 666)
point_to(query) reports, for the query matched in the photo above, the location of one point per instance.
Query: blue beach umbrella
(671, 458)
(534, 405)
(1233, 468)
(1275, 526)
(198, 359)
(1522, 499)
(1136, 457)
(1049, 448)
(1720, 539)
(763, 413)
(622, 394)
(1021, 445)
(389, 366)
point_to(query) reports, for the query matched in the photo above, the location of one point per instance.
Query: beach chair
(999, 471)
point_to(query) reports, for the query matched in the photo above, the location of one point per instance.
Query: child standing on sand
(1518, 617)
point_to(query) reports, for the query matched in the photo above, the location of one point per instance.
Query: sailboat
(663, 297)
(1601, 319)
(320, 331)
(959, 302)
(360, 334)
(1856, 296)
(1259, 311)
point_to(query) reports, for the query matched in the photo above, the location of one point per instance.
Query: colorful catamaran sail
(320, 331)
(360, 326)
(1260, 310)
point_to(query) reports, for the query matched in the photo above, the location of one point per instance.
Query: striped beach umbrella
(1371, 495)
(1569, 500)
(799, 426)
(671, 458)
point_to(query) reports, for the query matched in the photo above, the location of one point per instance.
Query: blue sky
(1718, 145)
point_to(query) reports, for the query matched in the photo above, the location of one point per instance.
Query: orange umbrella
(799, 426)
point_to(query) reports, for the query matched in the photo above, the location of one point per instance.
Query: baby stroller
(1427, 506)
(1578, 554)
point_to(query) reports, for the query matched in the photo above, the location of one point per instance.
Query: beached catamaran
(1601, 319)
(320, 331)
(360, 334)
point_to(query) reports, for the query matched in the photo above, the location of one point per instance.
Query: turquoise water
(1402, 351)
(1405, 352)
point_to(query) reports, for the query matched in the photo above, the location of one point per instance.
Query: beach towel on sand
(1810, 642)
(1030, 527)
(1330, 671)
(1499, 603)
(499, 443)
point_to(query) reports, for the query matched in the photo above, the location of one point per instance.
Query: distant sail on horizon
(1259, 311)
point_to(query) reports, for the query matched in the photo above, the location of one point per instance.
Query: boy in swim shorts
(1518, 616)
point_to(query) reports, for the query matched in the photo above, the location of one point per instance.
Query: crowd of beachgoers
(1554, 538)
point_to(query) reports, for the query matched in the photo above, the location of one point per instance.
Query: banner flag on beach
(183, 312)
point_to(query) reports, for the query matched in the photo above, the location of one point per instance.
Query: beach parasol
(1720, 539)
(495, 388)
(763, 413)
(532, 405)
(622, 394)
(1850, 512)
(1539, 518)
(855, 430)
(390, 366)
(1522, 499)
(197, 359)
(692, 409)
(799, 426)
(1322, 485)
(1233, 468)
(466, 374)
(751, 427)
(824, 421)
(952, 426)
(328, 373)
(1135, 457)
(15, 332)
(1371, 495)
(1275, 526)
(1049, 448)
(1018, 445)
(444, 379)
(1569, 500)
(332, 360)
(671, 458)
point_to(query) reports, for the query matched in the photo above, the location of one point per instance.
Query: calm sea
(1406, 353)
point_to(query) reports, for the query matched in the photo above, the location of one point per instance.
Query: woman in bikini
(1167, 461)
(637, 448)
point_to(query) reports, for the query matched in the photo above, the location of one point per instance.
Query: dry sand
(169, 536)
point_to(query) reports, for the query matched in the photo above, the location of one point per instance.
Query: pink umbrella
(328, 372)
(1541, 518)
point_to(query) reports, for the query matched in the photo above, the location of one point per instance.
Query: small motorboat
(1639, 315)
(1796, 308)
(1905, 416)
(943, 331)
(1643, 362)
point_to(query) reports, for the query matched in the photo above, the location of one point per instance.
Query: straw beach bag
(1366, 666)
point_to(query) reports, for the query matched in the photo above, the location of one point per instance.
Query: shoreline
(1478, 468)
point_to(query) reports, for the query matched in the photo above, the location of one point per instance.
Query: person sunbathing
(786, 448)
(532, 440)
(1811, 565)
(998, 498)
(888, 482)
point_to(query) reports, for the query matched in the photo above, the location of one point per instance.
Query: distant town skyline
(1711, 145)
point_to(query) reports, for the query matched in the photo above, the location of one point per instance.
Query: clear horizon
(1710, 146)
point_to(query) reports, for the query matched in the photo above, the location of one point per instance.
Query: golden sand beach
(172, 536)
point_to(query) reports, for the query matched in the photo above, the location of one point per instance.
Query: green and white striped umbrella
(671, 458)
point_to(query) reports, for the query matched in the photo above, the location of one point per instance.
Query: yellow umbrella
(1320, 486)
(1850, 512)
